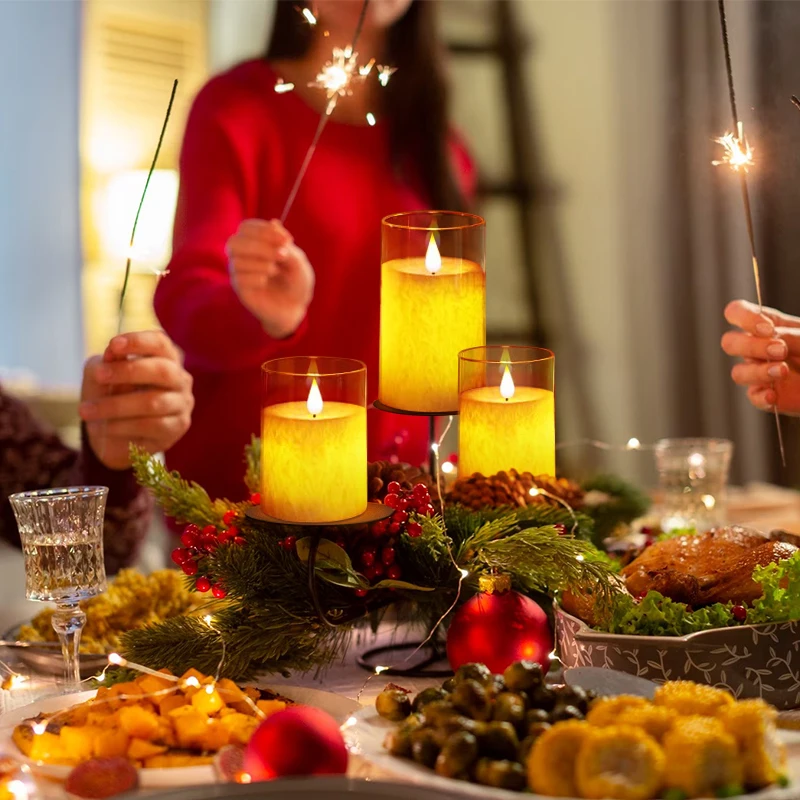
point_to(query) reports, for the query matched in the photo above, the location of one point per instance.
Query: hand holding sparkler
(769, 343)
(271, 275)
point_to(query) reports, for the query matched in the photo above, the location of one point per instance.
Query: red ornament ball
(296, 741)
(497, 630)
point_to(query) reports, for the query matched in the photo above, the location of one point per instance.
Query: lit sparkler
(737, 153)
(384, 73)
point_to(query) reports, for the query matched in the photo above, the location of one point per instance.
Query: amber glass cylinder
(314, 439)
(433, 306)
(506, 410)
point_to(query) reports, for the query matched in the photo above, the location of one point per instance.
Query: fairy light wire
(748, 214)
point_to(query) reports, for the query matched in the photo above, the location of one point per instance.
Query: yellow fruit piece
(77, 715)
(240, 727)
(229, 691)
(753, 723)
(621, 763)
(130, 687)
(244, 708)
(180, 711)
(112, 744)
(170, 760)
(190, 728)
(79, 742)
(702, 757)
(192, 673)
(139, 749)
(692, 699)
(606, 710)
(551, 763)
(166, 733)
(269, 707)
(170, 702)
(217, 736)
(48, 747)
(252, 693)
(207, 702)
(138, 722)
(150, 684)
(655, 721)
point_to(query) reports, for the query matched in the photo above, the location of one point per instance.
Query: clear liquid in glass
(59, 569)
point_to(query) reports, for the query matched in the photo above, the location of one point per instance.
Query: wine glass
(62, 540)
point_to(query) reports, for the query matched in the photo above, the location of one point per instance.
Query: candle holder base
(430, 655)
(374, 513)
(391, 410)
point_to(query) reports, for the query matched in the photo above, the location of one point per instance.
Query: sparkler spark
(384, 73)
(281, 87)
(309, 16)
(737, 153)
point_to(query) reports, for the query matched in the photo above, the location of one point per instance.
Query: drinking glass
(62, 541)
(693, 476)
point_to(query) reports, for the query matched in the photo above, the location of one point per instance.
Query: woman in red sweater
(242, 288)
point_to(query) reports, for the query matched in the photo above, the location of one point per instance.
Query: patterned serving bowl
(748, 660)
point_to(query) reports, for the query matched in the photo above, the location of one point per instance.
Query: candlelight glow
(314, 402)
(433, 261)
(507, 384)
(737, 153)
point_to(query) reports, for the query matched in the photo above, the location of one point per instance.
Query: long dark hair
(415, 102)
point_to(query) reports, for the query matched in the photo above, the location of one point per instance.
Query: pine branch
(624, 504)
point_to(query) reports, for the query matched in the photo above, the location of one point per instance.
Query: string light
(632, 444)
(448, 467)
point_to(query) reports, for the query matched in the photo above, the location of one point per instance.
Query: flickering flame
(433, 261)
(737, 153)
(507, 384)
(314, 402)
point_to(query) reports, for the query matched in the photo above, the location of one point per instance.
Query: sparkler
(739, 156)
(336, 78)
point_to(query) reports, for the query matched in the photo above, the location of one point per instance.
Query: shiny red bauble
(497, 630)
(296, 741)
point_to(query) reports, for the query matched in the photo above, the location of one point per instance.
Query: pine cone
(513, 489)
(381, 473)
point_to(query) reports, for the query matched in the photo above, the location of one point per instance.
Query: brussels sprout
(499, 740)
(573, 696)
(449, 684)
(474, 672)
(560, 713)
(424, 748)
(456, 724)
(429, 695)
(536, 715)
(536, 729)
(509, 707)
(398, 743)
(438, 711)
(496, 686)
(543, 697)
(500, 774)
(412, 722)
(458, 753)
(525, 675)
(393, 704)
(469, 697)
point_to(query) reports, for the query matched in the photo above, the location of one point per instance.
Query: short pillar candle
(506, 410)
(433, 305)
(314, 439)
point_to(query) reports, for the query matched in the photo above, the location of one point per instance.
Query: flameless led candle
(314, 439)
(433, 305)
(506, 410)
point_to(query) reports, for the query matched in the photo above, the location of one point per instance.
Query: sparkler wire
(748, 214)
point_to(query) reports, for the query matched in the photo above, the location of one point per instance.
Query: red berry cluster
(376, 558)
(198, 543)
(288, 543)
(739, 612)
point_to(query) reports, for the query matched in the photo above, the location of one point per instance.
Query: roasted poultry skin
(713, 567)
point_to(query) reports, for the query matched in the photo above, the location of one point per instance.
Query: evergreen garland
(269, 621)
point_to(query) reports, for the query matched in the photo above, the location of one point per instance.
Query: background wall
(40, 256)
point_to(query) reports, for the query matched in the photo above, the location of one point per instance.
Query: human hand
(769, 343)
(137, 391)
(270, 275)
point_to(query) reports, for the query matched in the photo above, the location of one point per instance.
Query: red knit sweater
(242, 150)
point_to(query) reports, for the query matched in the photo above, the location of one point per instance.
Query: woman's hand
(271, 275)
(769, 343)
(137, 391)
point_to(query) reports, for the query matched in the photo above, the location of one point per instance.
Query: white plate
(340, 708)
(365, 731)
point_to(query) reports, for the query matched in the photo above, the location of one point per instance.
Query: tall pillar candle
(506, 410)
(433, 305)
(314, 439)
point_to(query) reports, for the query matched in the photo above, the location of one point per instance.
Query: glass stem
(68, 622)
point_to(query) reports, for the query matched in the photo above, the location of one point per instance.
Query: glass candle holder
(506, 409)
(433, 306)
(62, 541)
(693, 478)
(314, 439)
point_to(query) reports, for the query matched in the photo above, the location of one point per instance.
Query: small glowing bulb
(448, 467)
(208, 619)
(464, 573)
(633, 443)
(709, 501)
(433, 261)
(18, 790)
(309, 15)
(210, 689)
(39, 728)
(507, 384)
(696, 460)
(380, 669)
(192, 681)
(314, 402)
(371, 118)
(533, 492)
(116, 660)
(244, 777)
(16, 680)
(349, 722)
(579, 557)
